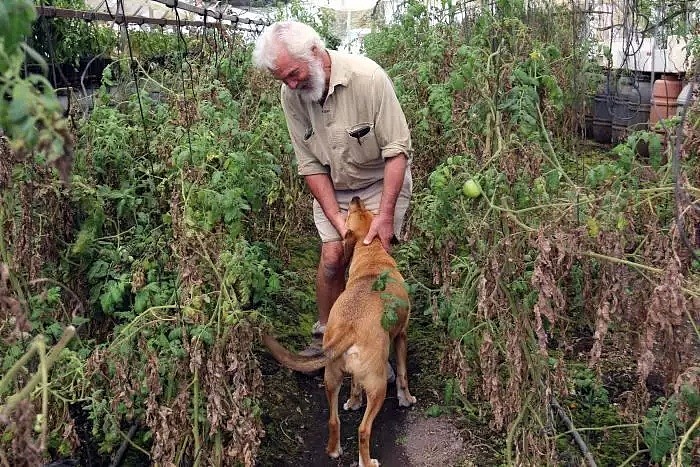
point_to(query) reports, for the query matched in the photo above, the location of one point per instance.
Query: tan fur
(355, 341)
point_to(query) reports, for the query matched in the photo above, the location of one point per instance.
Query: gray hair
(298, 39)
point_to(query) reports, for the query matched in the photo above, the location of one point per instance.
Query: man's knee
(332, 264)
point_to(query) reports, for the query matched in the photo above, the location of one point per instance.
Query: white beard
(315, 84)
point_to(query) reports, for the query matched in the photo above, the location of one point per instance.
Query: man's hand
(338, 222)
(382, 227)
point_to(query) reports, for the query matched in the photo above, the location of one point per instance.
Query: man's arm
(394, 138)
(383, 224)
(321, 188)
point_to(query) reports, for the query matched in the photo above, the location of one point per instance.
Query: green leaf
(79, 320)
(54, 330)
(389, 318)
(449, 390)
(203, 333)
(20, 104)
(98, 270)
(553, 179)
(380, 283)
(457, 327)
(175, 333)
(655, 150)
(434, 411)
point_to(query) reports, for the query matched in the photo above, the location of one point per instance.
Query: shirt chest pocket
(315, 146)
(361, 142)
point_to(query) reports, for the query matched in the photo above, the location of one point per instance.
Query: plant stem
(600, 428)
(684, 441)
(612, 259)
(20, 363)
(635, 265)
(53, 355)
(554, 160)
(218, 449)
(511, 430)
(122, 449)
(577, 437)
(44, 372)
(631, 458)
(195, 417)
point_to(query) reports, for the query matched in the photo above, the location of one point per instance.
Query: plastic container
(641, 109)
(664, 97)
(622, 111)
(602, 117)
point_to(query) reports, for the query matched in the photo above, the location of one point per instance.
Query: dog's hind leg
(402, 392)
(333, 378)
(355, 400)
(376, 392)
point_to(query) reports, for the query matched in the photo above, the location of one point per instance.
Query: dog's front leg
(333, 378)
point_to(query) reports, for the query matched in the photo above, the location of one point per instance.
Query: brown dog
(355, 341)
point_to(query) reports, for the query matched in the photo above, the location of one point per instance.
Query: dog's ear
(348, 246)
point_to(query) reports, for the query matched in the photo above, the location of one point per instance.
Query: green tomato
(471, 188)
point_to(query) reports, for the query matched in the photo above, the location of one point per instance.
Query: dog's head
(357, 224)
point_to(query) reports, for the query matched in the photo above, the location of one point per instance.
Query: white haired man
(350, 138)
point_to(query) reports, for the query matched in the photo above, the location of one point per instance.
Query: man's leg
(330, 279)
(330, 283)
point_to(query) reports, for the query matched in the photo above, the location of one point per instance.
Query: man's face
(306, 78)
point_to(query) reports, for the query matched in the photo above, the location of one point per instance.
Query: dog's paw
(352, 404)
(336, 453)
(406, 401)
(372, 463)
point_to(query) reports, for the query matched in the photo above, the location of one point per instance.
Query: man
(350, 138)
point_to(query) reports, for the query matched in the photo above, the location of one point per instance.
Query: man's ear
(348, 246)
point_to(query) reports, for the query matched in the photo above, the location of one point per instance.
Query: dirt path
(400, 437)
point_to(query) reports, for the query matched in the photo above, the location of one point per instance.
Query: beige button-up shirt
(360, 96)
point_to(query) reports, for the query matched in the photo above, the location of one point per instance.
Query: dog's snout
(356, 204)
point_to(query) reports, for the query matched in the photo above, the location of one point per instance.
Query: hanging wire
(48, 34)
(203, 38)
(184, 52)
(216, 45)
(90, 101)
(132, 62)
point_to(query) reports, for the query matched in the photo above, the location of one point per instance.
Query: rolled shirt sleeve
(390, 124)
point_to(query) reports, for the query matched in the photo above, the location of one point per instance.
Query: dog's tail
(292, 360)
(303, 363)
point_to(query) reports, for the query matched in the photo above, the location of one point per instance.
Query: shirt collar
(340, 73)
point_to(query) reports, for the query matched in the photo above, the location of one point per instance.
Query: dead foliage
(19, 438)
(554, 261)
(14, 323)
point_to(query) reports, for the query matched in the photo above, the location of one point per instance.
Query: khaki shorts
(371, 196)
